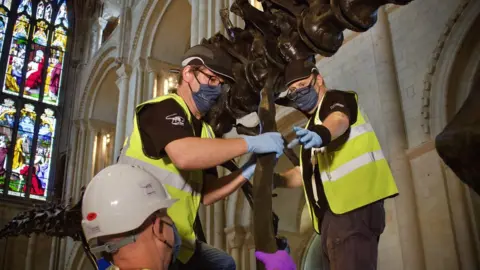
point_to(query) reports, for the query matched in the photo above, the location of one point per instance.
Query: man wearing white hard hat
(124, 217)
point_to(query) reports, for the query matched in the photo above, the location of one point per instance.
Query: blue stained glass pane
(62, 16)
(25, 6)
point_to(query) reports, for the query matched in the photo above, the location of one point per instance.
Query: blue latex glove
(269, 142)
(248, 169)
(279, 260)
(307, 138)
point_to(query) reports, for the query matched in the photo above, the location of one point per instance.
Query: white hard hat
(119, 199)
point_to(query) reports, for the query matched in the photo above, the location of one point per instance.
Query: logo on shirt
(336, 105)
(176, 119)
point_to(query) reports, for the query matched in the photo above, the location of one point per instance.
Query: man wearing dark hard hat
(342, 169)
(170, 140)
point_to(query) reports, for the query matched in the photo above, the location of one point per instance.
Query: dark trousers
(350, 240)
(207, 257)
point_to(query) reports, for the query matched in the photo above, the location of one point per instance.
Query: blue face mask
(177, 244)
(305, 98)
(205, 97)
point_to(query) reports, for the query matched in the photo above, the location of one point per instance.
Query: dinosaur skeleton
(285, 30)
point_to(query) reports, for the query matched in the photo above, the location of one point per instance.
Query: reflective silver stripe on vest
(165, 177)
(352, 165)
(359, 130)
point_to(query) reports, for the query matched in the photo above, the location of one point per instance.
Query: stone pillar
(53, 253)
(29, 260)
(91, 150)
(141, 92)
(79, 164)
(219, 4)
(102, 23)
(396, 145)
(111, 149)
(100, 156)
(194, 22)
(94, 38)
(202, 20)
(211, 17)
(122, 83)
(152, 83)
(250, 247)
(71, 162)
(235, 240)
(219, 225)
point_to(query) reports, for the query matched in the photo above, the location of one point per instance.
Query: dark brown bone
(459, 143)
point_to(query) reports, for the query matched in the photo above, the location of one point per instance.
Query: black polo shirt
(164, 122)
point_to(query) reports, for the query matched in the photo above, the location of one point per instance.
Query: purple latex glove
(279, 260)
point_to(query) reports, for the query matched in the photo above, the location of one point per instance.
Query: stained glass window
(33, 45)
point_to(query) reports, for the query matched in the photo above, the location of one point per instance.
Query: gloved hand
(249, 168)
(269, 142)
(279, 260)
(307, 138)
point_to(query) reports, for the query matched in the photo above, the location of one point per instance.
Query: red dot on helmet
(91, 216)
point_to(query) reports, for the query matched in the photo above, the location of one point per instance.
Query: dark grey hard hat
(298, 70)
(212, 57)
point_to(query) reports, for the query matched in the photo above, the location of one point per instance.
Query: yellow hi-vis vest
(186, 186)
(354, 175)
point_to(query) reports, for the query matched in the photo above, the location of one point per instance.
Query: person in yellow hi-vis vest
(170, 140)
(342, 169)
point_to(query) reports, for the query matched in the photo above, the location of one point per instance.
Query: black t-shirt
(162, 123)
(334, 100)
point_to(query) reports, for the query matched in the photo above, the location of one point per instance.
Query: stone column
(122, 83)
(111, 149)
(202, 20)
(235, 240)
(71, 162)
(211, 17)
(53, 253)
(141, 92)
(396, 145)
(194, 22)
(219, 4)
(94, 40)
(250, 246)
(29, 260)
(91, 150)
(80, 160)
(152, 83)
(219, 225)
(102, 23)
(100, 153)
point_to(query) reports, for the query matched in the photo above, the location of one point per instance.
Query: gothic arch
(455, 75)
(440, 64)
(104, 94)
(96, 70)
(156, 24)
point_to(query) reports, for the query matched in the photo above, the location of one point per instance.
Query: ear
(158, 227)
(320, 80)
(187, 74)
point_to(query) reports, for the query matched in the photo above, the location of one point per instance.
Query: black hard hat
(299, 69)
(212, 57)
